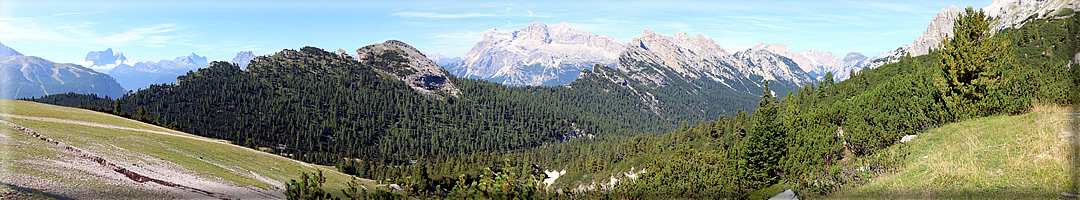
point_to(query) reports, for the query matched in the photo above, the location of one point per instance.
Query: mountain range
(136, 75)
(442, 60)
(817, 63)
(542, 55)
(31, 76)
(536, 55)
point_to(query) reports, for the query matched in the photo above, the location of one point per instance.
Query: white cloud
(439, 15)
(152, 36)
(70, 28)
(106, 67)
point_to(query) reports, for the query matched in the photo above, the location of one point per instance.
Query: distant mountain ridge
(31, 76)
(817, 63)
(675, 73)
(700, 58)
(243, 58)
(536, 55)
(143, 74)
(105, 58)
(442, 60)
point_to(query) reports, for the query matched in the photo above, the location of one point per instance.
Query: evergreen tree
(764, 144)
(309, 187)
(827, 80)
(972, 63)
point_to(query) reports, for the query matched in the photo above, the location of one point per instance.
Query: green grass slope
(228, 171)
(1023, 156)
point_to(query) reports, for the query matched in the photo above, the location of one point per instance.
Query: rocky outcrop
(1006, 14)
(1013, 13)
(415, 69)
(242, 59)
(940, 29)
(536, 55)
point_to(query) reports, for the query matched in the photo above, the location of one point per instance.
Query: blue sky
(64, 31)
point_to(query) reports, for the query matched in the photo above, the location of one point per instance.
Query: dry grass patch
(1028, 155)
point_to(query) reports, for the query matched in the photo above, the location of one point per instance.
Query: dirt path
(140, 178)
(115, 127)
(99, 125)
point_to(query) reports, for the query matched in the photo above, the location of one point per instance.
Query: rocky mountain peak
(940, 29)
(243, 58)
(1012, 13)
(535, 31)
(536, 55)
(420, 73)
(654, 58)
(442, 60)
(808, 61)
(103, 58)
(854, 56)
(192, 59)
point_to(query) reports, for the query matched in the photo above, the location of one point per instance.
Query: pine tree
(972, 64)
(828, 80)
(764, 146)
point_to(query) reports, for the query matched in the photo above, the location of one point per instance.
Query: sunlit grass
(209, 160)
(1025, 156)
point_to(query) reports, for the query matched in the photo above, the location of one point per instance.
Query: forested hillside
(822, 139)
(321, 107)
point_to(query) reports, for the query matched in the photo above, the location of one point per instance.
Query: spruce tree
(972, 63)
(764, 145)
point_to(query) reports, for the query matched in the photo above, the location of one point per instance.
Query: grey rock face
(243, 58)
(1007, 14)
(418, 72)
(536, 55)
(1012, 13)
(107, 57)
(772, 67)
(655, 59)
(940, 29)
